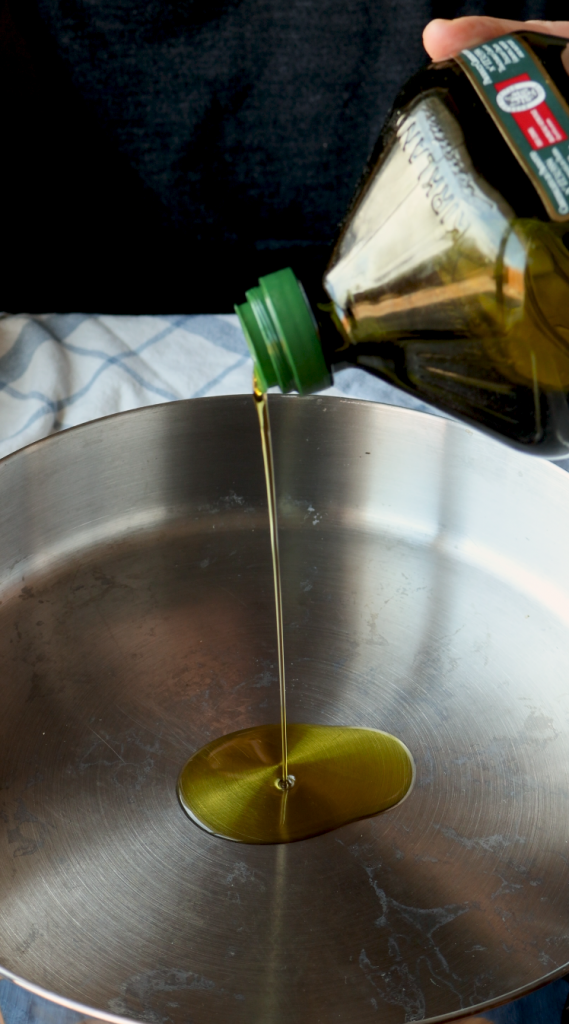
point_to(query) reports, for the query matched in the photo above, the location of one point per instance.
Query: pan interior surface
(426, 594)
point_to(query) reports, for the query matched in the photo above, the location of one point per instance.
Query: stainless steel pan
(426, 592)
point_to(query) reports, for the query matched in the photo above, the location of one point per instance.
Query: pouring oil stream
(239, 786)
(286, 781)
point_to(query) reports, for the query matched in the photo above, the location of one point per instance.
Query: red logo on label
(524, 99)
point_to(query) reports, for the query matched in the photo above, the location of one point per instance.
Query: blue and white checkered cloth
(60, 370)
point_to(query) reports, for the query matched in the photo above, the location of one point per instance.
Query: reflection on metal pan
(426, 593)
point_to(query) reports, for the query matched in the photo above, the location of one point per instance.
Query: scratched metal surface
(426, 592)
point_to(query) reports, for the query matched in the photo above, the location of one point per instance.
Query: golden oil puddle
(231, 786)
(280, 783)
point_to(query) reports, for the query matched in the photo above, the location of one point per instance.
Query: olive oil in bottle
(450, 275)
(280, 783)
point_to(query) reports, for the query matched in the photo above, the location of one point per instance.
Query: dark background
(159, 155)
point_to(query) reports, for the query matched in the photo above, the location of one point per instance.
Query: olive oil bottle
(450, 275)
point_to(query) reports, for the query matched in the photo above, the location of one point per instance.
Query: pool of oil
(231, 786)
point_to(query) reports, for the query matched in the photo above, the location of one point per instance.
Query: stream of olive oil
(288, 781)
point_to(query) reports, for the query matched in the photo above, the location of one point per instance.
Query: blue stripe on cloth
(128, 353)
(206, 388)
(222, 333)
(61, 325)
(15, 362)
(58, 405)
(119, 360)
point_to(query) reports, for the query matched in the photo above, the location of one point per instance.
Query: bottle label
(530, 112)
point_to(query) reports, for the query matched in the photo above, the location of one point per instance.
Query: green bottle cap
(282, 335)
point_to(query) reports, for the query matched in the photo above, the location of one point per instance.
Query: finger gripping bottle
(450, 275)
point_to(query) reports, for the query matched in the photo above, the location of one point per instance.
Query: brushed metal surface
(426, 592)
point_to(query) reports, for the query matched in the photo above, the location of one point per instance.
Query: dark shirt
(159, 156)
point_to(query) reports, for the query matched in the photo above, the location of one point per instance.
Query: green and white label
(530, 112)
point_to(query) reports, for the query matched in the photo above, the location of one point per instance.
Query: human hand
(444, 38)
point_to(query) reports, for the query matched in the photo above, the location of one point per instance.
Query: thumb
(444, 38)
